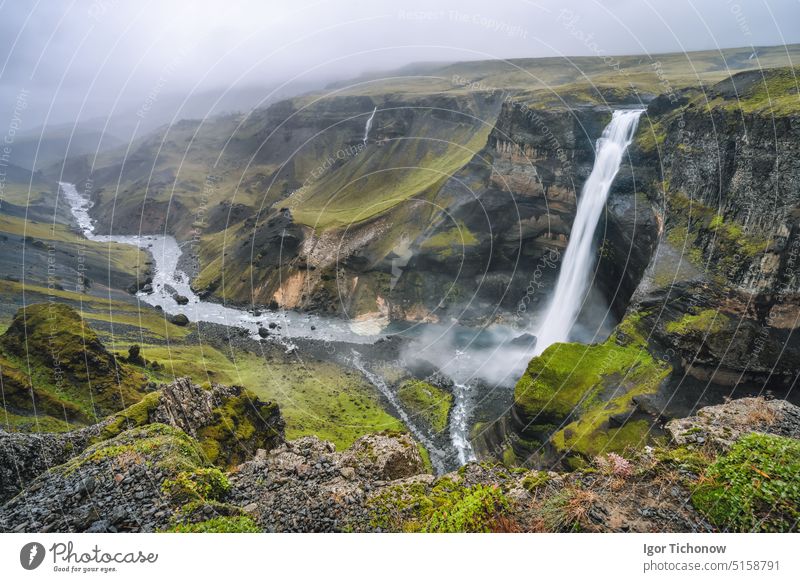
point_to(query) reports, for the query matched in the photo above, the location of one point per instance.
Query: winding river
(169, 280)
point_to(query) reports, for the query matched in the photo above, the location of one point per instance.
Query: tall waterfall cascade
(574, 278)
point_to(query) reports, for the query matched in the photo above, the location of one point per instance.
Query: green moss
(11, 422)
(652, 137)
(56, 364)
(136, 415)
(381, 178)
(754, 487)
(240, 425)
(774, 92)
(426, 458)
(318, 398)
(680, 238)
(426, 401)
(447, 507)
(535, 479)
(471, 509)
(691, 223)
(509, 456)
(30, 398)
(705, 321)
(206, 484)
(689, 459)
(590, 435)
(156, 445)
(239, 524)
(568, 376)
(457, 237)
(591, 383)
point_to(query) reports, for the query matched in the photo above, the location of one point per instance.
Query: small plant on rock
(567, 510)
(471, 509)
(614, 465)
(200, 484)
(241, 524)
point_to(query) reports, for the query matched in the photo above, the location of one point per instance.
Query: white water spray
(369, 125)
(459, 424)
(573, 279)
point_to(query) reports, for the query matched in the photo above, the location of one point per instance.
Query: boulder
(385, 456)
(722, 425)
(179, 319)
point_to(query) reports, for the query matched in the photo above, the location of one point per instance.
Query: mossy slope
(571, 392)
(754, 487)
(54, 364)
(429, 403)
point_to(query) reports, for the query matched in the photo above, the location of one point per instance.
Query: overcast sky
(84, 59)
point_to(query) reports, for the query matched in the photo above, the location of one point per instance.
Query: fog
(496, 355)
(84, 60)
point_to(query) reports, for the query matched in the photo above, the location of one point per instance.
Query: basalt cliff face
(730, 186)
(427, 241)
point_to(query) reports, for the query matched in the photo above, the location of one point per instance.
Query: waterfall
(369, 125)
(573, 279)
(459, 424)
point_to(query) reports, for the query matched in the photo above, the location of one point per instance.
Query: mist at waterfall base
(497, 355)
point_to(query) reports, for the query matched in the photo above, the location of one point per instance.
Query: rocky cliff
(152, 475)
(727, 194)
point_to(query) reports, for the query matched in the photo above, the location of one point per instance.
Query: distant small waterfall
(573, 279)
(369, 125)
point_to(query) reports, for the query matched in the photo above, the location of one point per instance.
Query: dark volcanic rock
(722, 425)
(306, 485)
(179, 319)
(24, 456)
(112, 486)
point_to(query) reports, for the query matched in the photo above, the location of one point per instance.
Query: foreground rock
(24, 456)
(721, 426)
(156, 476)
(229, 423)
(113, 486)
(306, 485)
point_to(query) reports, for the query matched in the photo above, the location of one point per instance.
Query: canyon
(454, 257)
